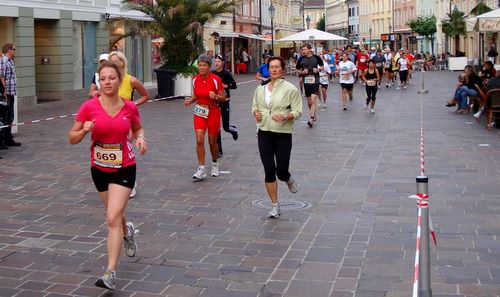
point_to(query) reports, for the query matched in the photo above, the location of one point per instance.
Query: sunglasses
(13, 49)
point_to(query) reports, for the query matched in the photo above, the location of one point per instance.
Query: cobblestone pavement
(354, 234)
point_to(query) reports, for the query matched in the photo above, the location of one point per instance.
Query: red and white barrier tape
(74, 114)
(417, 254)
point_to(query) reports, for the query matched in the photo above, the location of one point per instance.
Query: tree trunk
(457, 44)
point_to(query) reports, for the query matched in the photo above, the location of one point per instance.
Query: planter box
(165, 82)
(183, 86)
(457, 63)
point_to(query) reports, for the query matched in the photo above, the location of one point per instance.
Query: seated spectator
(488, 72)
(467, 85)
(493, 83)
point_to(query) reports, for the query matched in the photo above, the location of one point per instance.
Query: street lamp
(308, 22)
(272, 10)
(370, 32)
(390, 35)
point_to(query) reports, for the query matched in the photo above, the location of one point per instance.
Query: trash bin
(165, 81)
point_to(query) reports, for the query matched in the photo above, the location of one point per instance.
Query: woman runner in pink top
(109, 118)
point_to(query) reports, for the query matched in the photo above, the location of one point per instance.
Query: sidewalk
(349, 231)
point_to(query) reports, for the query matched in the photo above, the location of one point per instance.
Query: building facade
(337, 19)
(58, 44)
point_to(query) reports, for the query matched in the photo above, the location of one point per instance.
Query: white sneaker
(324, 105)
(134, 191)
(215, 169)
(200, 173)
(292, 185)
(275, 211)
(372, 111)
(478, 114)
(319, 105)
(129, 243)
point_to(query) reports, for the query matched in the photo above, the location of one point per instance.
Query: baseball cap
(219, 57)
(373, 48)
(205, 58)
(103, 57)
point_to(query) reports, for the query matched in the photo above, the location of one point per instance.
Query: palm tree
(480, 8)
(454, 26)
(180, 23)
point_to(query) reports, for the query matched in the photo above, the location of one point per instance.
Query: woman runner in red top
(208, 91)
(110, 118)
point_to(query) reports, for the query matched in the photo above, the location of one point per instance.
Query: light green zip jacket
(285, 99)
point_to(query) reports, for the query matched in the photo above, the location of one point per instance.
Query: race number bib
(201, 111)
(323, 80)
(310, 79)
(371, 83)
(362, 60)
(378, 65)
(108, 155)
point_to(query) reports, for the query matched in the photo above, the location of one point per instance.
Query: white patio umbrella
(312, 34)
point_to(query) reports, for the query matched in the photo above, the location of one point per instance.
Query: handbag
(3, 101)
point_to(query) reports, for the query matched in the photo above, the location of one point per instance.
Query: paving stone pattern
(206, 239)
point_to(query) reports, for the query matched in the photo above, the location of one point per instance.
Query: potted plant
(180, 23)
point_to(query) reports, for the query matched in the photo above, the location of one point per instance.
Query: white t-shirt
(345, 67)
(323, 74)
(388, 59)
(245, 56)
(267, 94)
(403, 64)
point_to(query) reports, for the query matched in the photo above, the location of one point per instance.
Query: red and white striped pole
(422, 268)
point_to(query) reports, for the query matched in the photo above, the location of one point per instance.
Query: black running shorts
(310, 89)
(346, 86)
(124, 177)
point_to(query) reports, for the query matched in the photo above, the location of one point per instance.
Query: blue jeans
(461, 95)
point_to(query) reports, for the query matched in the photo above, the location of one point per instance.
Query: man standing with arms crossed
(308, 67)
(9, 80)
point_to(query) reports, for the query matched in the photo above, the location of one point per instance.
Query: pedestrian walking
(8, 78)
(371, 76)
(346, 71)
(208, 92)
(128, 86)
(492, 54)
(308, 67)
(276, 106)
(225, 108)
(109, 119)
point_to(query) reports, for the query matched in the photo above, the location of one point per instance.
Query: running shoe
(366, 106)
(134, 191)
(310, 123)
(372, 111)
(129, 243)
(404, 87)
(107, 281)
(200, 173)
(325, 106)
(292, 185)
(220, 154)
(398, 88)
(215, 169)
(350, 98)
(235, 135)
(379, 87)
(344, 108)
(275, 211)
(387, 85)
(319, 105)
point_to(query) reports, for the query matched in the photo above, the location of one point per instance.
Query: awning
(241, 35)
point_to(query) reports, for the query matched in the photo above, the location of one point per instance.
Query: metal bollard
(424, 285)
(423, 90)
